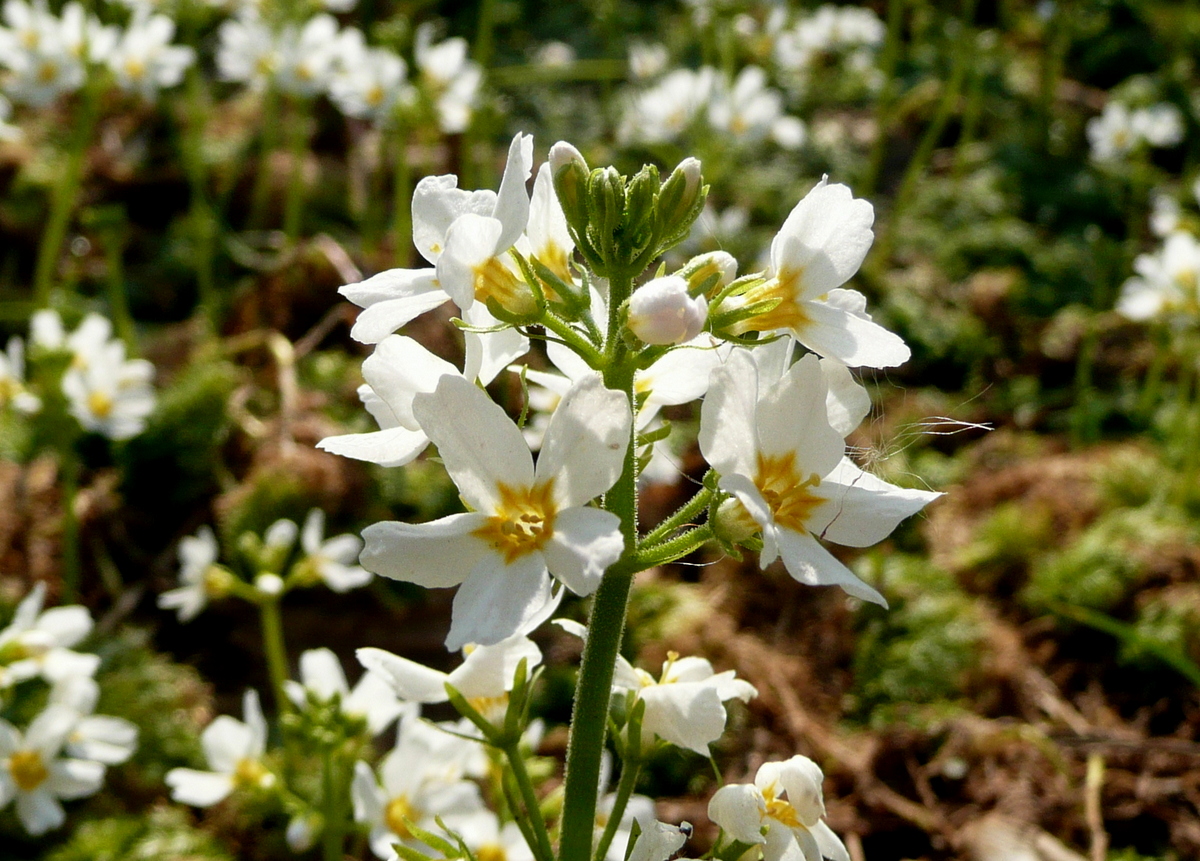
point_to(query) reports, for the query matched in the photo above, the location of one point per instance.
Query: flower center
(375, 96)
(47, 72)
(786, 493)
(135, 68)
(491, 852)
(554, 257)
(490, 707)
(781, 811)
(99, 404)
(788, 314)
(398, 813)
(250, 773)
(494, 280)
(523, 522)
(27, 769)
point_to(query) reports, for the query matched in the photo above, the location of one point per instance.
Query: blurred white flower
(234, 751)
(647, 60)
(38, 643)
(665, 111)
(100, 738)
(1167, 281)
(144, 60)
(12, 379)
(111, 395)
(200, 577)
(331, 560)
(321, 676)
(451, 80)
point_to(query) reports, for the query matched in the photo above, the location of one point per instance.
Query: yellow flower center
(554, 257)
(1189, 284)
(47, 72)
(491, 852)
(785, 492)
(489, 707)
(780, 810)
(27, 769)
(374, 96)
(99, 404)
(788, 314)
(398, 813)
(249, 773)
(494, 280)
(523, 522)
(135, 68)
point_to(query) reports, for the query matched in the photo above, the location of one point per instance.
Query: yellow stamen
(249, 773)
(398, 810)
(781, 811)
(491, 852)
(27, 770)
(100, 404)
(785, 492)
(787, 314)
(523, 522)
(494, 280)
(555, 258)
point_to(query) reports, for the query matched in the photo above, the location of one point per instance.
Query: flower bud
(732, 523)
(269, 585)
(662, 312)
(700, 271)
(570, 174)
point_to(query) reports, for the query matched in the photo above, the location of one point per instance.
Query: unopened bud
(218, 582)
(270, 585)
(709, 273)
(661, 312)
(732, 523)
(680, 201)
(570, 174)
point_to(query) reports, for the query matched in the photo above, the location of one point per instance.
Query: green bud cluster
(620, 224)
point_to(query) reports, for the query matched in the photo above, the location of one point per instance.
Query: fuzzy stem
(62, 203)
(682, 516)
(274, 648)
(543, 851)
(631, 768)
(589, 723)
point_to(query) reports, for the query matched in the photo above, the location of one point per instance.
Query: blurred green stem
(297, 187)
(889, 59)
(118, 301)
(65, 194)
(274, 648)
(71, 557)
(401, 200)
(333, 790)
(260, 197)
(201, 217)
(533, 813)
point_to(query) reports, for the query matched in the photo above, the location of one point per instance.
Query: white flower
(32, 771)
(306, 56)
(1164, 213)
(37, 643)
(820, 246)
(111, 395)
(1112, 135)
(658, 842)
(100, 738)
(330, 560)
(484, 678)
(491, 841)
(247, 51)
(526, 523)
(647, 60)
(370, 83)
(8, 131)
(145, 61)
(234, 751)
(1159, 125)
(422, 780)
(12, 379)
(684, 705)
(321, 675)
(451, 79)
(749, 108)
(1167, 281)
(777, 454)
(199, 576)
(662, 312)
(396, 372)
(665, 111)
(794, 823)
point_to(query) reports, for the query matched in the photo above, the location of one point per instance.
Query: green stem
(682, 516)
(888, 60)
(533, 813)
(70, 525)
(589, 723)
(630, 769)
(1083, 424)
(275, 650)
(118, 301)
(574, 340)
(201, 217)
(1152, 387)
(676, 548)
(332, 837)
(293, 208)
(62, 202)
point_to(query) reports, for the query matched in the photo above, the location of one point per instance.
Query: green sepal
(464, 708)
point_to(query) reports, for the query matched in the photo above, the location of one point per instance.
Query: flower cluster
(1120, 130)
(63, 752)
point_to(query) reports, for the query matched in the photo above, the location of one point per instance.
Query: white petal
(830, 844)
(810, 563)
(479, 444)
(365, 794)
(343, 578)
(435, 554)
(66, 626)
(110, 740)
(497, 600)
(488, 671)
(862, 509)
(383, 318)
(400, 368)
(585, 542)
(391, 447)
(739, 809)
(75, 778)
(226, 741)
(728, 434)
(584, 446)
(198, 788)
(39, 811)
(825, 237)
(658, 843)
(58, 664)
(49, 730)
(470, 242)
(849, 338)
(792, 419)
(547, 228)
(687, 714)
(322, 673)
(490, 353)
(411, 681)
(847, 403)
(389, 285)
(512, 201)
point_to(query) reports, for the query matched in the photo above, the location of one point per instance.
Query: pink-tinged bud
(690, 168)
(562, 154)
(661, 312)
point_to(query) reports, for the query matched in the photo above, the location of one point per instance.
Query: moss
(921, 651)
(1170, 621)
(165, 833)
